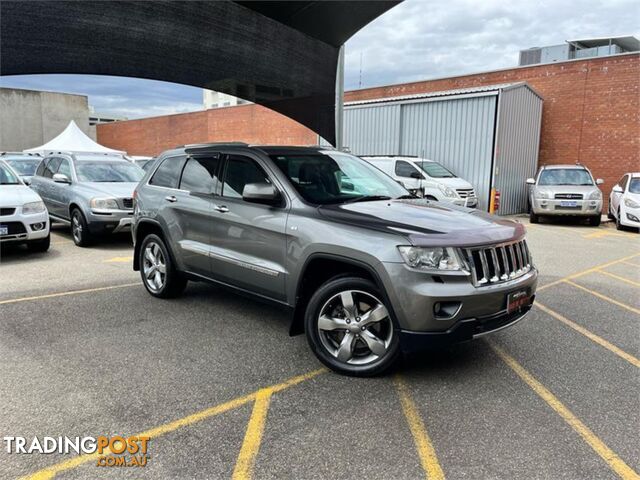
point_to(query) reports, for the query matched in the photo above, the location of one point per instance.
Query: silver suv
(367, 270)
(93, 193)
(566, 190)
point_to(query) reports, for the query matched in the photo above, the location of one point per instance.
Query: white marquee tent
(72, 139)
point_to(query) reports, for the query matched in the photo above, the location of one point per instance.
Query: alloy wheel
(76, 228)
(154, 267)
(355, 327)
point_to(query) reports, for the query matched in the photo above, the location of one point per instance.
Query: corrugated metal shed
(488, 135)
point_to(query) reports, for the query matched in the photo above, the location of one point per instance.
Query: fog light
(446, 310)
(633, 218)
(38, 226)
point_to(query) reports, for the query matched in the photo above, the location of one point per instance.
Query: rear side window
(404, 169)
(241, 171)
(52, 167)
(40, 169)
(200, 175)
(168, 173)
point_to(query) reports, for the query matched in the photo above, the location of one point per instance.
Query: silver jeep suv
(367, 270)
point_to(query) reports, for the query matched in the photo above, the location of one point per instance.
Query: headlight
(437, 258)
(447, 191)
(595, 195)
(104, 204)
(33, 207)
(542, 195)
(631, 203)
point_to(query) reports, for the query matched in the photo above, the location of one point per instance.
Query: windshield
(435, 170)
(24, 166)
(7, 177)
(565, 176)
(333, 177)
(634, 186)
(105, 171)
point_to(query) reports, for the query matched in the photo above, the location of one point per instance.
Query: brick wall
(591, 115)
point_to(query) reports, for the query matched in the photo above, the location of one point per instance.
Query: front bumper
(561, 207)
(629, 217)
(22, 228)
(109, 221)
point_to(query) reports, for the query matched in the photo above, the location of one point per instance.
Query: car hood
(553, 189)
(111, 189)
(17, 195)
(427, 223)
(454, 182)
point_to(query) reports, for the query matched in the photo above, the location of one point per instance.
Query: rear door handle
(221, 208)
(171, 198)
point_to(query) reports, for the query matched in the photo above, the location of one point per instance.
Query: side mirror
(27, 181)
(599, 181)
(61, 178)
(416, 175)
(617, 189)
(531, 181)
(264, 193)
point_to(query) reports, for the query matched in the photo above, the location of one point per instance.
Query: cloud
(413, 41)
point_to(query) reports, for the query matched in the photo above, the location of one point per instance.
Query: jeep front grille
(127, 203)
(497, 263)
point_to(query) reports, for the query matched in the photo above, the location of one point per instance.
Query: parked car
(426, 178)
(624, 201)
(91, 192)
(142, 161)
(366, 269)
(23, 215)
(24, 164)
(565, 190)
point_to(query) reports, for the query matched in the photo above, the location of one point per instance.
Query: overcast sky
(415, 40)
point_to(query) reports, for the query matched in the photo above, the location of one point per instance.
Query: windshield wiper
(368, 198)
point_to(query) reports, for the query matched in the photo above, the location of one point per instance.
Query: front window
(435, 170)
(634, 186)
(24, 167)
(333, 177)
(106, 171)
(565, 176)
(7, 177)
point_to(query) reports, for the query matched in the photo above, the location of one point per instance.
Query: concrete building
(573, 49)
(211, 99)
(29, 118)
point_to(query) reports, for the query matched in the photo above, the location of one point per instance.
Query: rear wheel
(79, 229)
(595, 220)
(619, 225)
(349, 327)
(533, 218)
(41, 245)
(158, 272)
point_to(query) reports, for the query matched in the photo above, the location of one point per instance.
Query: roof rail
(213, 144)
(389, 155)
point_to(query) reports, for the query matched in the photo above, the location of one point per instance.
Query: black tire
(595, 220)
(360, 291)
(610, 215)
(41, 245)
(173, 283)
(619, 225)
(533, 218)
(80, 229)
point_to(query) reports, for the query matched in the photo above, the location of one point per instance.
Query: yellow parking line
(589, 270)
(118, 260)
(72, 292)
(632, 264)
(591, 336)
(603, 233)
(623, 470)
(426, 452)
(604, 297)
(52, 471)
(253, 436)
(618, 277)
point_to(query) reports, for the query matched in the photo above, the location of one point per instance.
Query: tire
(154, 258)
(41, 245)
(610, 215)
(79, 229)
(619, 225)
(533, 218)
(342, 341)
(595, 220)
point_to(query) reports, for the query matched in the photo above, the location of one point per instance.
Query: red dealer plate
(517, 300)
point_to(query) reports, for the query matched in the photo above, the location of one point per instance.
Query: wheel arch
(142, 229)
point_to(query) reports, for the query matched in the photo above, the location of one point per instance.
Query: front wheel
(533, 218)
(158, 272)
(619, 225)
(595, 220)
(349, 327)
(80, 229)
(41, 245)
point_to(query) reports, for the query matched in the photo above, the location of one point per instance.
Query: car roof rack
(213, 144)
(390, 156)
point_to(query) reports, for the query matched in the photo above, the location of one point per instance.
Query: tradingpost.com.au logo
(110, 451)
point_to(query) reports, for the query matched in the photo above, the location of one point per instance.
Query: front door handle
(221, 208)
(171, 198)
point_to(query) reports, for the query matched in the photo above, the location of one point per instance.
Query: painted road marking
(632, 264)
(589, 270)
(118, 260)
(591, 336)
(604, 297)
(604, 233)
(623, 470)
(253, 436)
(618, 277)
(52, 471)
(426, 452)
(72, 292)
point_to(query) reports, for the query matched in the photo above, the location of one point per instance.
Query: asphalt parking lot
(222, 390)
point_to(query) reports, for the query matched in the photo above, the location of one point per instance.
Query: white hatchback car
(23, 216)
(624, 201)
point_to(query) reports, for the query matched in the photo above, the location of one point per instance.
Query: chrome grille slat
(498, 263)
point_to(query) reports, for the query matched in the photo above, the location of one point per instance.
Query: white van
(427, 179)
